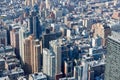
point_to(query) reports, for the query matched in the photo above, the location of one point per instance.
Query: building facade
(112, 71)
(32, 55)
(49, 60)
(14, 39)
(3, 36)
(102, 30)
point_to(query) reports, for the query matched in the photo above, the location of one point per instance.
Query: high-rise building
(68, 68)
(30, 24)
(14, 39)
(27, 54)
(49, 36)
(30, 2)
(3, 36)
(32, 55)
(48, 4)
(97, 41)
(37, 31)
(34, 25)
(112, 71)
(23, 33)
(49, 63)
(101, 30)
(83, 71)
(58, 12)
(37, 56)
(56, 47)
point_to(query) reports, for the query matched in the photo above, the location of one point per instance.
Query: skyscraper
(48, 3)
(32, 55)
(34, 25)
(30, 24)
(3, 36)
(49, 60)
(101, 30)
(14, 39)
(23, 33)
(30, 2)
(68, 68)
(56, 47)
(49, 36)
(27, 54)
(36, 56)
(112, 71)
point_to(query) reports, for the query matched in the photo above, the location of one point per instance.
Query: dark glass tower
(34, 25)
(37, 31)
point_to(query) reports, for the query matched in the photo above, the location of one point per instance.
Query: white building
(38, 76)
(49, 63)
(56, 47)
(23, 33)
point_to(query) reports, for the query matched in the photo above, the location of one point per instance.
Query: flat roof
(39, 75)
(115, 36)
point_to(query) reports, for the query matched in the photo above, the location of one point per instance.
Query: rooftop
(39, 76)
(47, 51)
(115, 36)
(17, 70)
(4, 78)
